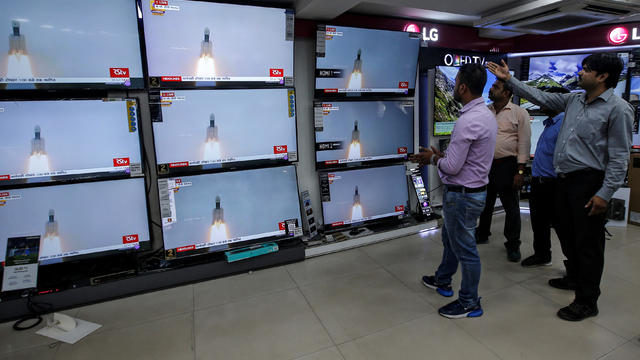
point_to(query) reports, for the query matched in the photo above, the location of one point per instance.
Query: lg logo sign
(427, 34)
(620, 35)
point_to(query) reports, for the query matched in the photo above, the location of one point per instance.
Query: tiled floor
(366, 303)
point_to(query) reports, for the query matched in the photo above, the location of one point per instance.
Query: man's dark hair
(605, 63)
(474, 76)
(506, 87)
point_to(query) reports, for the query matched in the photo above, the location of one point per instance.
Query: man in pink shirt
(464, 171)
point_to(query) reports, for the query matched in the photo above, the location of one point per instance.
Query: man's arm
(458, 149)
(619, 143)
(557, 102)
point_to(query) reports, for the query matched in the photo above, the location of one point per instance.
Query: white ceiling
(459, 12)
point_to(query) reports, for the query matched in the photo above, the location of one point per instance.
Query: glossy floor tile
(275, 326)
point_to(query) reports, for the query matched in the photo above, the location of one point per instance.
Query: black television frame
(174, 254)
(231, 166)
(63, 179)
(322, 94)
(159, 85)
(329, 228)
(322, 166)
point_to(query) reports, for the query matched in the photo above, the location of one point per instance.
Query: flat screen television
(216, 212)
(562, 71)
(356, 61)
(76, 221)
(357, 132)
(537, 126)
(351, 198)
(198, 43)
(61, 140)
(71, 44)
(445, 109)
(222, 129)
(634, 93)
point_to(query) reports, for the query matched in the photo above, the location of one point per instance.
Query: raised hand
(500, 71)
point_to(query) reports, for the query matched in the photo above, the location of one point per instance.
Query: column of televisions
(224, 124)
(364, 123)
(70, 161)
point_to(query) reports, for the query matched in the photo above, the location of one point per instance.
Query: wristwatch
(520, 172)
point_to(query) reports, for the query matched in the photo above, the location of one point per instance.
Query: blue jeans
(461, 212)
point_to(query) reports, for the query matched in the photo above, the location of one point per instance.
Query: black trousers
(581, 236)
(542, 203)
(501, 183)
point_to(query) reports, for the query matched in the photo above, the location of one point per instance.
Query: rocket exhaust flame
(354, 151)
(355, 80)
(212, 149)
(206, 64)
(356, 209)
(218, 231)
(51, 243)
(18, 64)
(38, 161)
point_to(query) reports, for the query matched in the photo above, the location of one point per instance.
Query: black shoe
(563, 283)
(514, 255)
(577, 312)
(481, 239)
(534, 261)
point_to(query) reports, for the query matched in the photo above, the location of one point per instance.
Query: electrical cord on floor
(36, 309)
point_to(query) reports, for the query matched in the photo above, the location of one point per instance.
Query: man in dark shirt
(543, 187)
(591, 159)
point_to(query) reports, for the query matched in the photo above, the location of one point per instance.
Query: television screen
(213, 212)
(446, 109)
(209, 129)
(362, 131)
(77, 219)
(197, 43)
(43, 141)
(70, 44)
(352, 197)
(562, 71)
(537, 126)
(634, 93)
(357, 61)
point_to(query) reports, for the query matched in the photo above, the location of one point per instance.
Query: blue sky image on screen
(246, 40)
(249, 123)
(383, 127)
(83, 40)
(88, 215)
(562, 71)
(388, 57)
(380, 189)
(254, 202)
(78, 134)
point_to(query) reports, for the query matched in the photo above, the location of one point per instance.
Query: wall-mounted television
(356, 61)
(357, 132)
(562, 71)
(537, 126)
(446, 109)
(215, 212)
(70, 44)
(198, 43)
(79, 220)
(351, 198)
(634, 92)
(61, 140)
(222, 129)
